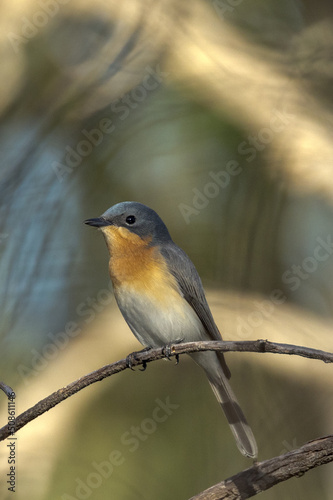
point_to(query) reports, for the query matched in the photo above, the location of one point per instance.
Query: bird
(161, 297)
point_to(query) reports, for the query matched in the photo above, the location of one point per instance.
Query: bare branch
(253, 346)
(7, 390)
(144, 357)
(264, 475)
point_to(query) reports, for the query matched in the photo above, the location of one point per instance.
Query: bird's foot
(167, 350)
(132, 357)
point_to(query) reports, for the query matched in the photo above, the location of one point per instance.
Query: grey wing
(189, 282)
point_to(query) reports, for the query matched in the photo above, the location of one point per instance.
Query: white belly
(155, 324)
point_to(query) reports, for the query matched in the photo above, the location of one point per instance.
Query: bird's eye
(130, 219)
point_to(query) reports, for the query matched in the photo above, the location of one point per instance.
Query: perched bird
(161, 297)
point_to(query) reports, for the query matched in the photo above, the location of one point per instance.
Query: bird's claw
(167, 350)
(129, 361)
(132, 357)
(144, 366)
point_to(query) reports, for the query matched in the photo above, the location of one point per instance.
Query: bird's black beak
(98, 222)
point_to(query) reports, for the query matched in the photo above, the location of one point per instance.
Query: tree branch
(264, 475)
(253, 346)
(7, 390)
(144, 357)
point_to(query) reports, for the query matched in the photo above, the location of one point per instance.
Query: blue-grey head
(136, 218)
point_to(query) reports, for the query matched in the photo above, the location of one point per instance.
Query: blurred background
(217, 114)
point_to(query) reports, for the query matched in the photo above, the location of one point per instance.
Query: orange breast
(137, 265)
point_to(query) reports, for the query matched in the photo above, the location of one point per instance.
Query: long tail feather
(217, 373)
(240, 428)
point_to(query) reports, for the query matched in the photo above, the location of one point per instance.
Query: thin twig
(263, 475)
(142, 358)
(254, 346)
(7, 390)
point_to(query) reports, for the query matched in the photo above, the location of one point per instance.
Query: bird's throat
(134, 261)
